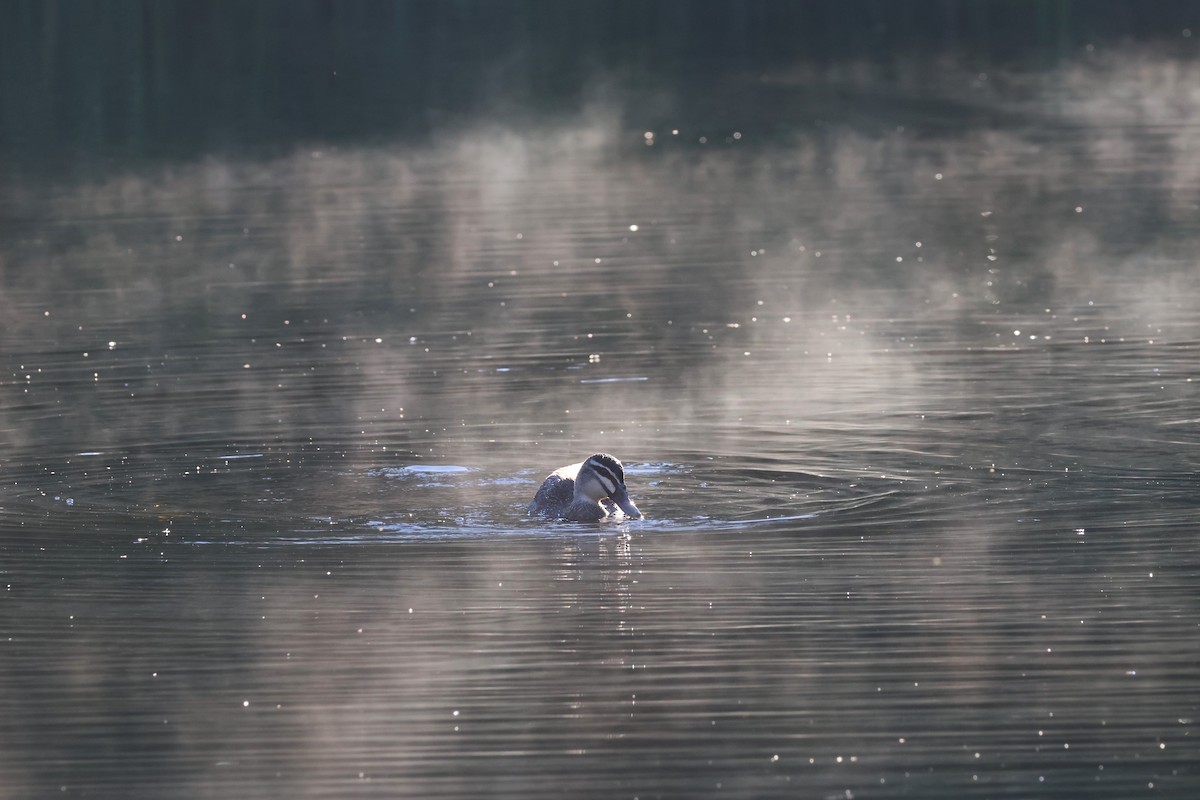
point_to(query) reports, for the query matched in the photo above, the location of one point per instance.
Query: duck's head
(602, 476)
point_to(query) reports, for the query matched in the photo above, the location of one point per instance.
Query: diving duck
(584, 492)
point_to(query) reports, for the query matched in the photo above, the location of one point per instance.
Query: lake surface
(908, 392)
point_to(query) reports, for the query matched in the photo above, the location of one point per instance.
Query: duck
(588, 491)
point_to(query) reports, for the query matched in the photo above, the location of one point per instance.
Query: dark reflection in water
(912, 416)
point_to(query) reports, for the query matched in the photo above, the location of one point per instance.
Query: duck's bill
(621, 498)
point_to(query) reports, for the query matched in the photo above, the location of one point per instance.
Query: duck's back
(556, 493)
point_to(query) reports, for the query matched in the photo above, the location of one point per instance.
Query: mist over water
(903, 370)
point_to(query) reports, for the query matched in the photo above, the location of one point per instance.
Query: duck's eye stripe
(606, 477)
(611, 465)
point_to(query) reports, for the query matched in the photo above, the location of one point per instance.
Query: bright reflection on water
(913, 419)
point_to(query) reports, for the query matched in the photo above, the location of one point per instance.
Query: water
(911, 411)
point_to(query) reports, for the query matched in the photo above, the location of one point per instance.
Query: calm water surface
(913, 417)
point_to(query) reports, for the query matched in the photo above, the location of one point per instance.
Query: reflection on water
(912, 416)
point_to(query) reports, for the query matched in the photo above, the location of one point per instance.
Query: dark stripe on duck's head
(608, 467)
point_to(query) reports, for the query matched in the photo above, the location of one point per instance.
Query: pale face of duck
(603, 477)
